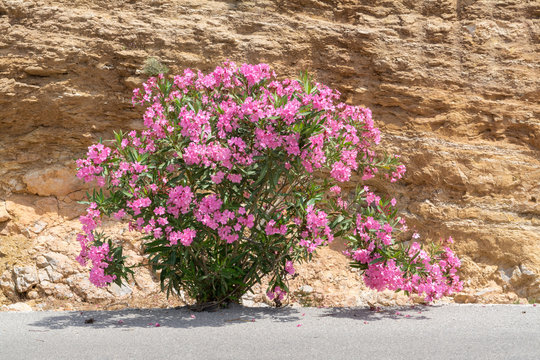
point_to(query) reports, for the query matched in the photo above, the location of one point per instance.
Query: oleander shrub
(238, 176)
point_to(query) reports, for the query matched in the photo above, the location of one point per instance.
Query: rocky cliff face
(453, 84)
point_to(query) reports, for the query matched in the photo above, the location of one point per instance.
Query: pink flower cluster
(438, 276)
(278, 293)
(317, 231)
(289, 267)
(432, 275)
(97, 254)
(271, 229)
(186, 237)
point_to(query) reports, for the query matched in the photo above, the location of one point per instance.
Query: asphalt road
(424, 332)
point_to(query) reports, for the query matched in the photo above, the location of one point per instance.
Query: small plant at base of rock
(153, 67)
(305, 297)
(227, 184)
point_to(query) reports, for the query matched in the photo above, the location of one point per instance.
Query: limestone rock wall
(453, 85)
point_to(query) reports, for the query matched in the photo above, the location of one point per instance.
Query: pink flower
(276, 293)
(235, 178)
(368, 174)
(142, 203)
(179, 201)
(218, 177)
(119, 214)
(342, 203)
(160, 210)
(98, 153)
(362, 256)
(270, 229)
(372, 224)
(372, 198)
(289, 267)
(340, 172)
(186, 237)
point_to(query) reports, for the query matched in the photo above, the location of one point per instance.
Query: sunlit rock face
(453, 85)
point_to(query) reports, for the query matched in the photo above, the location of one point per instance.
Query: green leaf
(378, 260)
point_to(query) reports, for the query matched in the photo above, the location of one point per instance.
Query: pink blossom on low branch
(289, 267)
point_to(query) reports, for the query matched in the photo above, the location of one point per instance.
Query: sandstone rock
(45, 286)
(4, 215)
(39, 71)
(133, 82)
(306, 289)
(465, 298)
(62, 291)
(46, 205)
(81, 286)
(25, 277)
(41, 261)
(22, 210)
(7, 285)
(120, 291)
(60, 263)
(506, 275)
(485, 291)
(248, 299)
(534, 290)
(53, 275)
(43, 275)
(52, 181)
(525, 272)
(54, 243)
(20, 306)
(37, 227)
(431, 71)
(145, 280)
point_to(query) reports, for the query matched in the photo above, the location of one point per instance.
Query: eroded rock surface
(454, 86)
